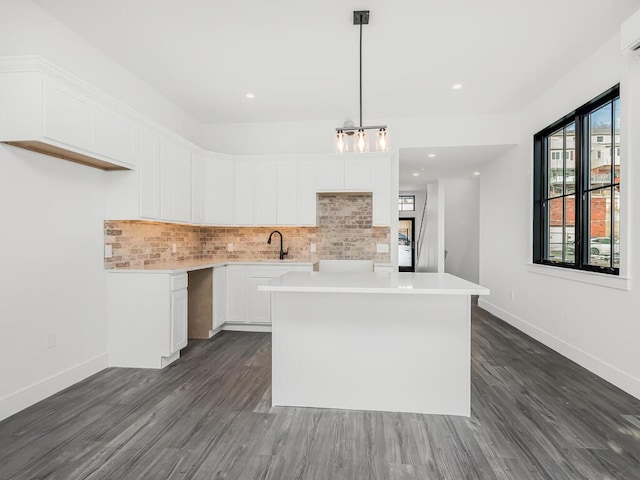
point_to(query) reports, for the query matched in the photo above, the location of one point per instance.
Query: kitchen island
(372, 341)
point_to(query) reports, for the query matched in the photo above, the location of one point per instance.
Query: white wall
(462, 227)
(26, 29)
(596, 326)
(318, 137)
(53, 280)
(434, 230)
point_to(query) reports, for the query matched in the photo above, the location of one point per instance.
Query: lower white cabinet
(147, 318)
(243, 307)
(219, 296)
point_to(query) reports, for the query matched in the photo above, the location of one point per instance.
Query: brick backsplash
(344, 231)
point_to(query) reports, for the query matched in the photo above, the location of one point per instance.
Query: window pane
(600, 227)
(570, 229)
(570, 156)
(555, 145)
(616, 116)
(555, 221)
(616, 227)
(600, 151)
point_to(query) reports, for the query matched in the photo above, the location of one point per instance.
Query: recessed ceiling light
(250, 95)
(457, 86)
(416, 174)
(476, 173)
(431, 155)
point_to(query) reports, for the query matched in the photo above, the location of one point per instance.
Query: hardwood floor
(535, 415)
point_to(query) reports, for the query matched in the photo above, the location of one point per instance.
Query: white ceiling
(448, 162)
(300, 58)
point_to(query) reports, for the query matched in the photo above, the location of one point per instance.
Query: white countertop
(404, 283)
(191, 265)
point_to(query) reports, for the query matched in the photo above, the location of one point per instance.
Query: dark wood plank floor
(535, 415)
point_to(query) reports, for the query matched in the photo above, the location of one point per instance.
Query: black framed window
(407, 203)
(577, 188)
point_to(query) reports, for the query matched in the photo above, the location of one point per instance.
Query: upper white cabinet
(175, 181)
(383, 203)
(330, 174)
(296, 192)
(68, 116)
(265, 191)
(243, 193)
(53, 113)
(149, 173)
(218, 191)
(198, 165)
(358, 173)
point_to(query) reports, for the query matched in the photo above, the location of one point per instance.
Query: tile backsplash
(344, 231)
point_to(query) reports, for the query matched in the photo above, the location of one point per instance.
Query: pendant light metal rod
(361, 74)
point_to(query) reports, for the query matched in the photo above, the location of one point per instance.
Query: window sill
(601, 279)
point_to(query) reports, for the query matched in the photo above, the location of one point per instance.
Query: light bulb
(361, 141)
(382, 145)
(341, 142)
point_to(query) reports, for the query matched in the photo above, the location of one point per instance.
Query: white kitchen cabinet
(265, 191)
(175, 181)
(358, 173)
(68, 116)
(296, 192)
(114, 135)
(197, 187)
(218, 194)
(243, 193)
(306, 199)
(330, 174)
(147, 318)
(236, 294)
(258, 303)
(178, 321)
(246, 306)
(219, 296)
(149, 173)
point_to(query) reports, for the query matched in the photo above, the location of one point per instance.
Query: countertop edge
(190, 268)
(380, 290)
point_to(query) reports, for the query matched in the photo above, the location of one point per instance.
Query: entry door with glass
(406, 250)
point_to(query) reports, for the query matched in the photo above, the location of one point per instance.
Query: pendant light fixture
(359, 133)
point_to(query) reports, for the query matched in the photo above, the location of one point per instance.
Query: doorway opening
(406, 245)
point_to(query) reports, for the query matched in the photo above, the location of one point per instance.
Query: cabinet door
(219, 296)
(197, 188)
(175, 180)
(178, 319)
(243, 193)
(306, 192)
(68, 116)
(331, 174)
(236, 294)
(113, 135)
(382, 201)
(265, 186)
(258, 303)
(149, 166)
(183, 184)
(218, 194)
(358, 173)
(287, 193)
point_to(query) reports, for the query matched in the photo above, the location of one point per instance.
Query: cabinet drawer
(179, 281)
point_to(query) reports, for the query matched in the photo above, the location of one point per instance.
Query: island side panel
(392, 352)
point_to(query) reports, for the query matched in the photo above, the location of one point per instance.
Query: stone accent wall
(344, 232)
(137, 243)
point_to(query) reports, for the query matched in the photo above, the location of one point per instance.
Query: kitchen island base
(386, 352)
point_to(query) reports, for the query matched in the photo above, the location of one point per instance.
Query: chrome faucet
(282, 252)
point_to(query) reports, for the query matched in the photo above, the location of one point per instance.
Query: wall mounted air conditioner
(630, 35)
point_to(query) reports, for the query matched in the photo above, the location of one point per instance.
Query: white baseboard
(617, 377)
(213, 332)
(25, 397)
(246, 327)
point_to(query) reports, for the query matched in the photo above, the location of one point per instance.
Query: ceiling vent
(630, 35)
